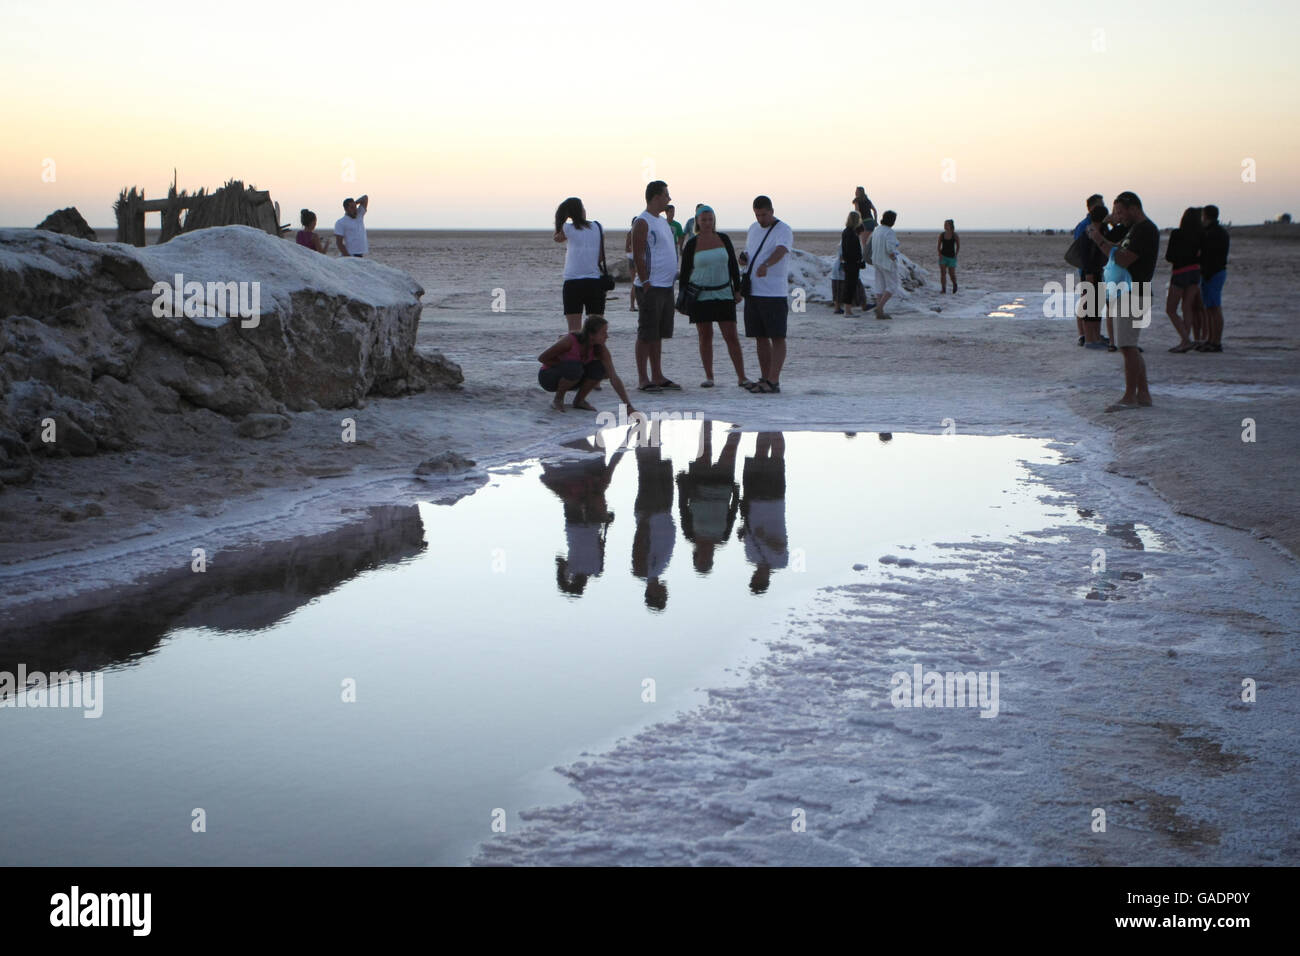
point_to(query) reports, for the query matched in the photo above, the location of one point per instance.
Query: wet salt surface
(488, 641)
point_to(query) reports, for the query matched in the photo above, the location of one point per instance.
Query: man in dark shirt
(1137, 252)
(1214, 270)
(1079, 317)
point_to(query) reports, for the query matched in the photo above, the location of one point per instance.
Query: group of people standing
(864, 242)
(700, 262)
(1118, 249)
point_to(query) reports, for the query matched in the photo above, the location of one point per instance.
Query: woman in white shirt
(583, 257)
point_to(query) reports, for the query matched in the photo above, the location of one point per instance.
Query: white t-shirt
(884, 241)
(582, 252)
(776, 282)
(661, 251)
(353, 232)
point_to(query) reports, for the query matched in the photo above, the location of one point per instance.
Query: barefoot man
(1136, 252)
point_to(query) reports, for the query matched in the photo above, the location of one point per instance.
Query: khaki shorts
(1129, 321)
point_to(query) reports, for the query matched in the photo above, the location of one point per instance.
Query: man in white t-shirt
(766, 306)
(884, 256)
(654, 263)
(350, 230)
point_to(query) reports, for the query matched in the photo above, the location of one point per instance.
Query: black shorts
(654, 321)
(580, 294)
(549, 378)
(765, 316)
(713, 310)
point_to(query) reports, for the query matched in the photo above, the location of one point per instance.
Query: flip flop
(649, 388)
(707, 383)
(746, 384)
(669, 384)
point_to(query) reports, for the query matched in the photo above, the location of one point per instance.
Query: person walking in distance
(884, 258)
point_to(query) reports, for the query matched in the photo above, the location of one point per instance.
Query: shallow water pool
(562, 605)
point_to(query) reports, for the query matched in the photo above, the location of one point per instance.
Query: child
(948, 247)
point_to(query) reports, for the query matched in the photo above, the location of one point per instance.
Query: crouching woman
(579, 360)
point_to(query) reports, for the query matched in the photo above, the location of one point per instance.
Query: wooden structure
(231, 205)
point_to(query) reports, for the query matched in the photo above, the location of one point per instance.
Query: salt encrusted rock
(91, 337)
(813, 274)
(260, 425)
(69, 222)
(444, 463)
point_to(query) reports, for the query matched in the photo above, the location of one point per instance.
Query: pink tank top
(306, 238)
(573, 355)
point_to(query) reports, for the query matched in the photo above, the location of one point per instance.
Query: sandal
(746, 384)
(707, 383)
(649, 387)
(669, 384)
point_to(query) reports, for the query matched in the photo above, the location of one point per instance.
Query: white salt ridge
(281, 267)
(813, 274)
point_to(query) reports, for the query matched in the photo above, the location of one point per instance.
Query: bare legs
(771, 358)
(880, 303)
(1136, 391)
(1175, 296)
(649, 353)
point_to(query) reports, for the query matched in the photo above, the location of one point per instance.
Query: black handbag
(1077, 254)
(745, 285)
(606, 280)
(686, 297)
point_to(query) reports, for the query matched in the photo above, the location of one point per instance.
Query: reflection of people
(581, 485)
(762, 508)
(652, 545)
(708, 497)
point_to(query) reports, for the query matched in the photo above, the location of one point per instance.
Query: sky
(1000, 115)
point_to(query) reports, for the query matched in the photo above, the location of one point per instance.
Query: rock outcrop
(68, 222)
(105, 346)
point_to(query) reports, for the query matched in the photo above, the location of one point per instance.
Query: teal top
(710, 268)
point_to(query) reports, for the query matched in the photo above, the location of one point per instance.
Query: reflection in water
(763, 510)
(708, 497)
(709, 500)
(473, 675)
(581, 485)
(652, 547)
(240, 591)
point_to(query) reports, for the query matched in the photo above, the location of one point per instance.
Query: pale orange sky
(488, 116)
